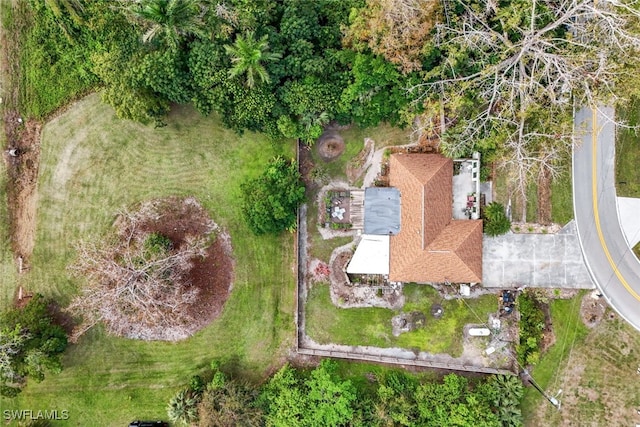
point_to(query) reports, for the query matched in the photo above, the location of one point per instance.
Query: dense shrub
(323, 397)
(532, 323)
(30, 344)
(495, 220)
(270, 202)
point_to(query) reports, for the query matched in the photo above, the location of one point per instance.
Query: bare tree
(503, 63)
(137, 283)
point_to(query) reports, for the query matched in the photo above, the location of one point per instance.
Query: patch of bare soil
(544, 197)
(548, 335)
(22, 158)
(212, 275)
(330, 145)
(168, 296)
(592, 310)
(345, 294)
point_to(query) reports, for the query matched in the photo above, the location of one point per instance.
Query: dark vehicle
(148, 424)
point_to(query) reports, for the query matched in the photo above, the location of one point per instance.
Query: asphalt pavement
(612, 265)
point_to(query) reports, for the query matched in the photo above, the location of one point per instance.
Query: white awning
(371, 256)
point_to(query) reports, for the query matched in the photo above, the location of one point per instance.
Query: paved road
(611, 263)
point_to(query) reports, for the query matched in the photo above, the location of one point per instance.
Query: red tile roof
(431, 246)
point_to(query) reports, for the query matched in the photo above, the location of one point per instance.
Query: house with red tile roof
(430, 245)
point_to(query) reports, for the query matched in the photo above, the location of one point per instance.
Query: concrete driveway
(535, 260)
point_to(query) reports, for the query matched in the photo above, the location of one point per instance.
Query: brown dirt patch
(159, 299)
(212, 275)
(338, 265)
(592, 310)
(330, 146)
(548, 334)
(544, 197)
(22, 172)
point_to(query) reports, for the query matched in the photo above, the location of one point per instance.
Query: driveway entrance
(535, 260)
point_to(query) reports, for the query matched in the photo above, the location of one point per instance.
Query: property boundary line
(300, 295)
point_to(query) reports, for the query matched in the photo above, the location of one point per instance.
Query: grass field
(8, 269)
(628, 153)
(383, 135)
(326, 323)
(599, 380)
(570, 333)
(93, 164)
(561, 198)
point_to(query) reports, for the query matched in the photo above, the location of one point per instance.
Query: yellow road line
(596, 214)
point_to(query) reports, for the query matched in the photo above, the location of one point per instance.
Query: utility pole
(555, 402)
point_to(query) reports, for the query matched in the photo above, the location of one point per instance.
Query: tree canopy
(270, 202)
(323, 397)
(30, 343)
(495, 219)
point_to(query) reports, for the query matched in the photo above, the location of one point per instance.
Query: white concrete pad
(629, 211)
(535, 260)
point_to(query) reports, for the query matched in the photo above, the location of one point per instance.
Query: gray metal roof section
(382, 211)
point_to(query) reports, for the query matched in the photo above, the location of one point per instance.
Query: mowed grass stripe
(8, 269)
(94, 164)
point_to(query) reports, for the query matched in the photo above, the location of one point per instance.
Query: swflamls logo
(28, 414)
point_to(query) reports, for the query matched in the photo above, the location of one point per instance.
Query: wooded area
(500, 78)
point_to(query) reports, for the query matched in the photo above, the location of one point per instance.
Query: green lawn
(570, 332)
(383, 135)
(8, 269)
(326, 323)
(93, 164)
(562, 198)
(628, 153)
(598, 378)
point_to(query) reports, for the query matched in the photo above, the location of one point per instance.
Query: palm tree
(247, 55)
(183, 408)
(168, 20)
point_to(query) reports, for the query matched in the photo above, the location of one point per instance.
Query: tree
(495, 220)
(376, 92)
(125, 89)
(183, 408)
(67, 13)
(270, 202)
(284, 402)
(507, 71)
(136, 284)
(331, 400)
(395, 404)
(168, 21)
(508, 395)
(453, 403)
(247, 57)
(30, 344)
(229, 405)
(394, 29)
(322, 400)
